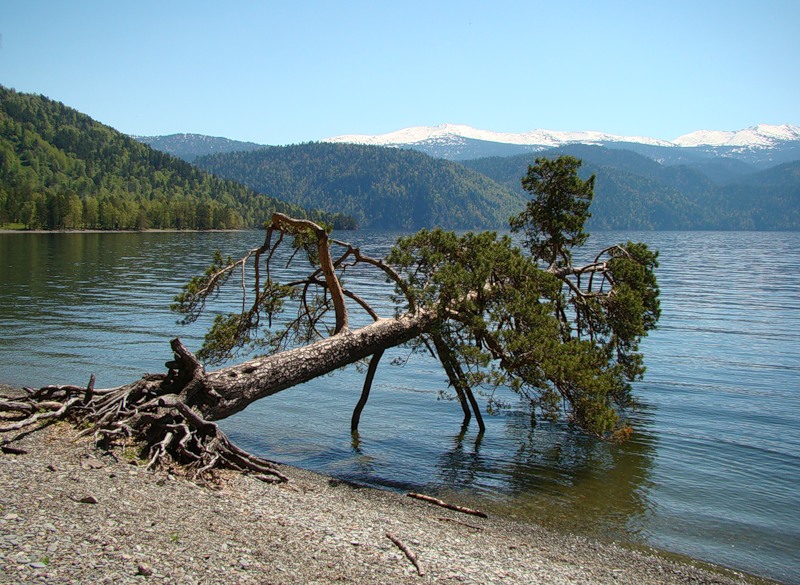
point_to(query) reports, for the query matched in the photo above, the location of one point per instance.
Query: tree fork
(280, 222)
(459, 383)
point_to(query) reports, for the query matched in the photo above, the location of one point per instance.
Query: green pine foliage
(59, 169)
(563, 337)
(526, 329)
(553, 222)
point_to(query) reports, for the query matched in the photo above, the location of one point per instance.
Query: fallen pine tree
(564, 337)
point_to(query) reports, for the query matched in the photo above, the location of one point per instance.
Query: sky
(286, 72)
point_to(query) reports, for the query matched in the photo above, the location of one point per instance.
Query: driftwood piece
(406, 551)
(444, 504)
(13, 450)
(40, 416)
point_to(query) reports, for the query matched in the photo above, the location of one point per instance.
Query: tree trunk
(173, 414)
(242, 384)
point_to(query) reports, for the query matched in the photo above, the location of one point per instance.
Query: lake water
(713, 470)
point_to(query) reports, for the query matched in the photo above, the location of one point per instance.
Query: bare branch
(406, 551)
(444, 504)
(362, 401)
(385, 268)
(281, 221)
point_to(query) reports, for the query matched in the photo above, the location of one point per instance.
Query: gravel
(70, 513)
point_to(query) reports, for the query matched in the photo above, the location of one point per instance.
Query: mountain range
(633, 192)
(760, 146)
(763, 135)
(190, 146)
(59, 169)
(763, 145)
(381, 188)
(396, 188)
(747, 179)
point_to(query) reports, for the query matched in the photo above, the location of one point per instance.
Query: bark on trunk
(241, 384)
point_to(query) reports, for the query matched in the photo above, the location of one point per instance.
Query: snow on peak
(762, 135)
(542, 138)
(405, 136)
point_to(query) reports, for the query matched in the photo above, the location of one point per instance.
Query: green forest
(59, 169)
(635, 192)
(386, 188)
(394, 188)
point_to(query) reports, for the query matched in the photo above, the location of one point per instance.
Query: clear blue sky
(300, 70)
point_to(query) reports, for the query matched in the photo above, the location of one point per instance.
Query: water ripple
(712, 470)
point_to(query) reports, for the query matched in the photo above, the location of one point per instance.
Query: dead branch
(15, 406)
(286, 223)
(41, 416)
(406, 551)
(13, 450)
(444, 504)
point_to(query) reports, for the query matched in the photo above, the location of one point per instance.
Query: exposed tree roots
(155, 412)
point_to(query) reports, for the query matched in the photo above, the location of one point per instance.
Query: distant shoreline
(95, 231)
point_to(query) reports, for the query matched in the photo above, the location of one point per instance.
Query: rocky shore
(70, 513)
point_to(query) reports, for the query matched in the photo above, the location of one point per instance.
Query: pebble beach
(70, 513)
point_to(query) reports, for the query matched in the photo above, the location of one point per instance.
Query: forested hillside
(190, 146)
(380, 187)
(635, 192)
(769, 199)
(59, 169)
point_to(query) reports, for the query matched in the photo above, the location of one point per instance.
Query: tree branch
(406, 551)
(362, 401)
(444, 504)
(459, 381)
(284, 222)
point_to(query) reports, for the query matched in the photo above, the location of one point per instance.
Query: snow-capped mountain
(763, 144)
(540, 138)
(763, 135)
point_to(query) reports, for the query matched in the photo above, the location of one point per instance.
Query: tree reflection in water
(557, 477)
